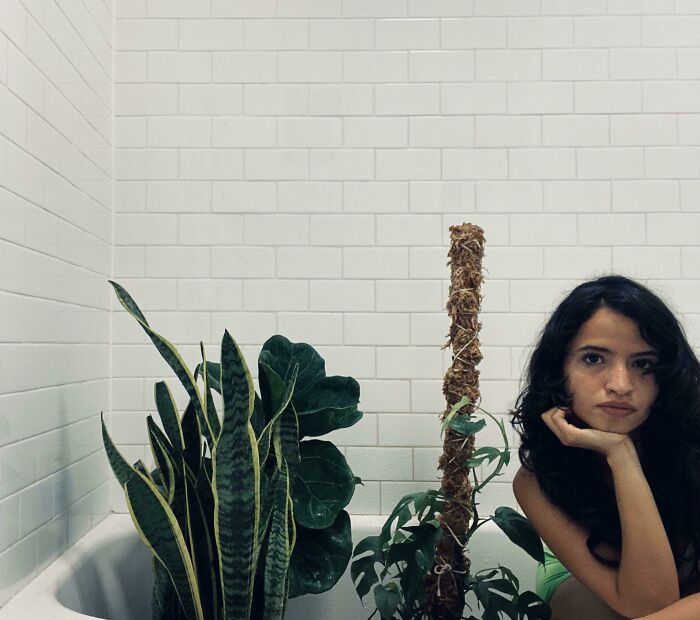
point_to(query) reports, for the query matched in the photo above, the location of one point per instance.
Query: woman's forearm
(647, 576)
(687, 608)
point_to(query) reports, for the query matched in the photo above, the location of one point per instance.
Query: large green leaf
(330, 419)
(323, 486)
(158, 528)
(281, 355)
(322, 404)
(236, 474)
(328, 404)
(320, 557)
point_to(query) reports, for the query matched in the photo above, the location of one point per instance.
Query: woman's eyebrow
(592, 347)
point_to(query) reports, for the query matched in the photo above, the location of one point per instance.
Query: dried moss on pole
(445, 582)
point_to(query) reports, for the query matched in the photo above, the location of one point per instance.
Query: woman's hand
(575, 437)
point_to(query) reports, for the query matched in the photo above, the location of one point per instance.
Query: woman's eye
(644, 364)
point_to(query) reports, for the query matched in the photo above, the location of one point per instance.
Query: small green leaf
(465, 426)
(520, 531)
(387, 599)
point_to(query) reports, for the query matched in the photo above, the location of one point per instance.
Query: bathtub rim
(39, 596)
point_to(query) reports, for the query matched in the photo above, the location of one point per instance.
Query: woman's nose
(619, 379)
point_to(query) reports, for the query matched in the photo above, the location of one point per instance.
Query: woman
(610, 456)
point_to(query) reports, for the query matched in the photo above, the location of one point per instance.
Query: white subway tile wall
(294, 167)
(56, 207)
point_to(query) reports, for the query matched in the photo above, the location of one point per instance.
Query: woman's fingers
(555, 420)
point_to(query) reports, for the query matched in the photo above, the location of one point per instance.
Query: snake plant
(241, 515)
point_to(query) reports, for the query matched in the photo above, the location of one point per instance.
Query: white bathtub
(107, 574)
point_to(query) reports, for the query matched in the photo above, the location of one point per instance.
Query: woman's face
(608, 360)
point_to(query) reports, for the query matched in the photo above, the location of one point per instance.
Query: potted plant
(407, 553)
(239, 512)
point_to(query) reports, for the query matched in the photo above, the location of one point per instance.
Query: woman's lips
(617, 411)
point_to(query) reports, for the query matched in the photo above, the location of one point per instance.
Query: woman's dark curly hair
(572, 478)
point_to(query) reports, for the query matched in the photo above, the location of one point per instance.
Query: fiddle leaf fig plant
(406, 554)
(240, 513)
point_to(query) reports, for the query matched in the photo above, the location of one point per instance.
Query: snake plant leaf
(323, 485)
(192, 439)
(213, 375)
(287, 578)
(121, 468)
(155, 430)
(274, 392)
(292, 521)
(167, 411)
(236, 479)
(278, 394)
(327, 404)
(268, 482)
(264, 441)
(212, 414)
(204, 546)
(289, 440)
(320, 557)
(209, 407)
(157, 479)
(165, 465)
(140, 467)
(258, 417)
(177, 499)
(169, 354)
(164, 598)
(158, 527)
(278, 550)
(286, 595)
(205, 496)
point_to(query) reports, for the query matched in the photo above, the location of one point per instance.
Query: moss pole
(445, 583)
